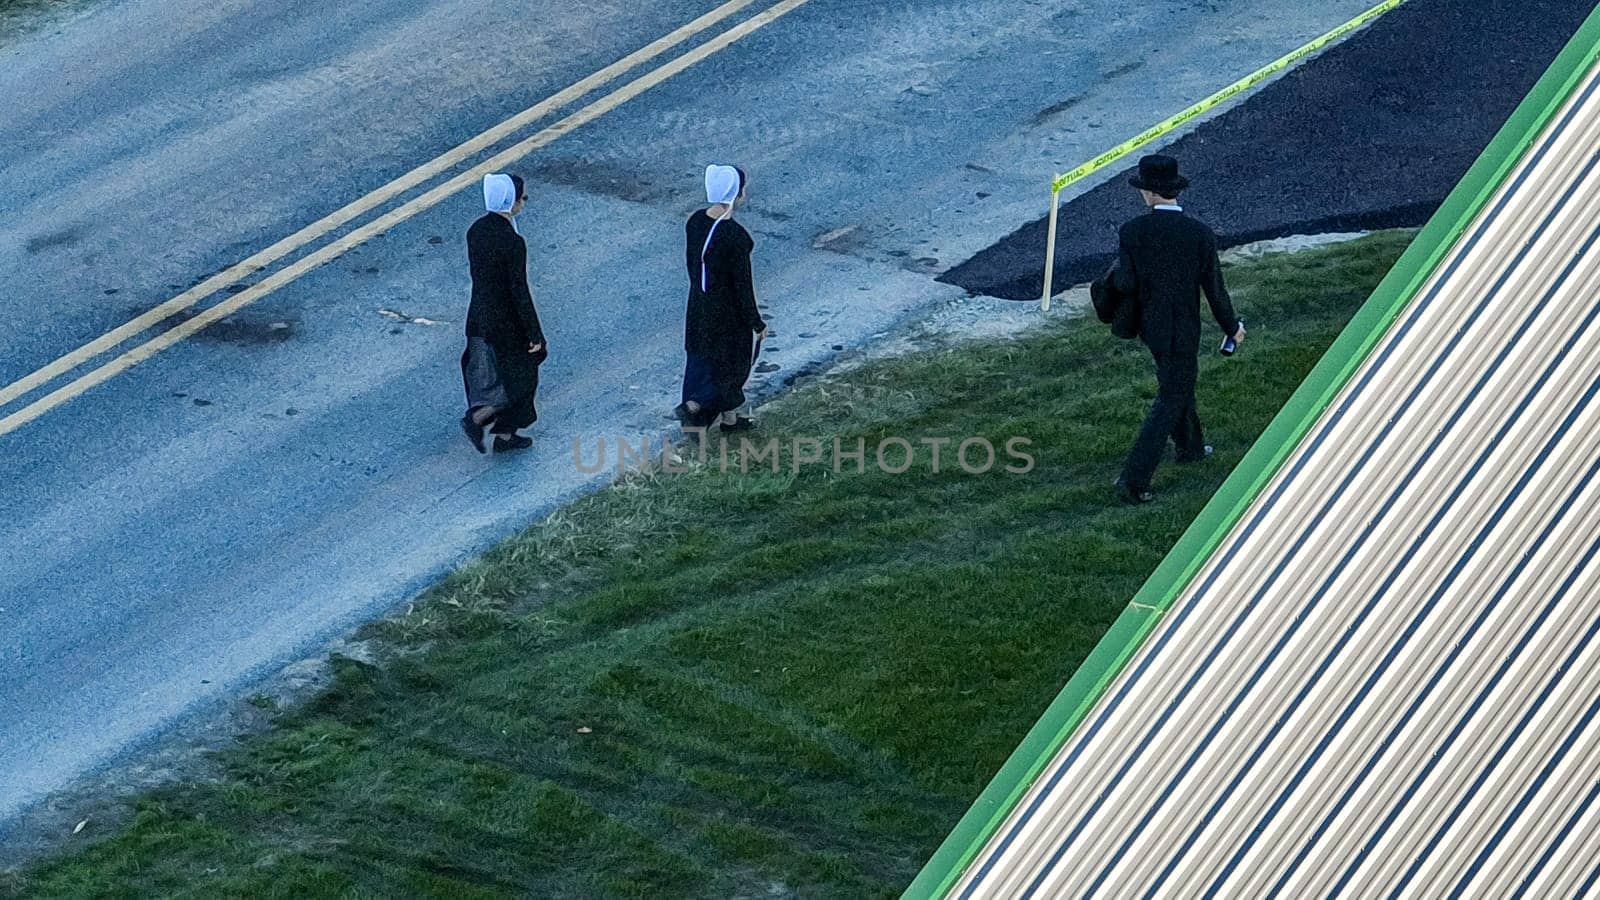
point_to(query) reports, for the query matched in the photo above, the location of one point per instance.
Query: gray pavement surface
(242, 498)
(1373, 133)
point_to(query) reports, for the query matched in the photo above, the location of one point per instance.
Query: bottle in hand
(1229, 344)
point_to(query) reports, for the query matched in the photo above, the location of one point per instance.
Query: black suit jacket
(1165, 261)
(502, 310)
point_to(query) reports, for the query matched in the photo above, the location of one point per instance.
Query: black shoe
(474, 432)
(505, 443)
(1135, 497)
(691, 419)
(741, 423)
(1205, 452)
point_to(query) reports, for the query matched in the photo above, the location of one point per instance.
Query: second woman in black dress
(722, 327)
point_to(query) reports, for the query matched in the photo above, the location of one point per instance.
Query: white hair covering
(722, 187)
(722, 184)
(499, 193)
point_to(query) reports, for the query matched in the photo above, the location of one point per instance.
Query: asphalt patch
(1374, 133)
(247, 332)
(65, 237)
(243, 331)
(596, 177)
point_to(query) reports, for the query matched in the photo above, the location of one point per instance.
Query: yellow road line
(426, 201)
(325, 225)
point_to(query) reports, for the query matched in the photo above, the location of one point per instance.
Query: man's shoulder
(1200, 227)
(1185, 222)
(1136, 226)
(1166, 222)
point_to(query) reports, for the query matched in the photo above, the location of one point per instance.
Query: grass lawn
(726, 685)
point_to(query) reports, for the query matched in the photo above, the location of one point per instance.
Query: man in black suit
(1165, 261)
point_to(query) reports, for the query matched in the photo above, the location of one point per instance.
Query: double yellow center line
(327, 225)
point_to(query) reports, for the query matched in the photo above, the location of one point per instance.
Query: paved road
(259, 487)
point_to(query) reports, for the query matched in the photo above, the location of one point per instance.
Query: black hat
(1159, 175)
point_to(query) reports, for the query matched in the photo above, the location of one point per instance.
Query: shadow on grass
(725, 685)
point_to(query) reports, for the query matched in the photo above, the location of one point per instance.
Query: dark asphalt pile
(1372, 134)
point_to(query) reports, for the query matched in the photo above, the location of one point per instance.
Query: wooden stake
(1050, 250)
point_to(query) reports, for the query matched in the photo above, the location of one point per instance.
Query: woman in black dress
(505, 344)
(722, 328)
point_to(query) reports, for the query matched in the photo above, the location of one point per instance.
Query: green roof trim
(1173, 576)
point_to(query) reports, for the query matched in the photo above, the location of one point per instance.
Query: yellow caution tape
(1233, 90)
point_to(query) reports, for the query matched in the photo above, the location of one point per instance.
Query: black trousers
(1172, 416)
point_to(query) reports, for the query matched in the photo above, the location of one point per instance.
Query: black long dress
(501, 322)
(722, 320)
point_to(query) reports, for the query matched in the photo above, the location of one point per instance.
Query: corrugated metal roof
(1384, 679)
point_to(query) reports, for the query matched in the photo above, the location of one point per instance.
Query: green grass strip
(1173, 576)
